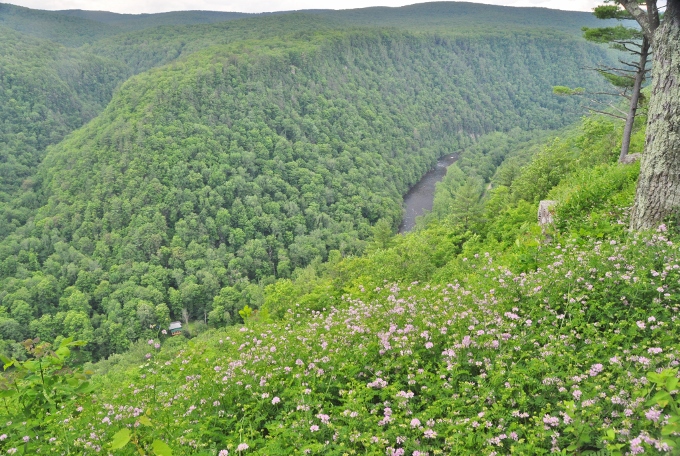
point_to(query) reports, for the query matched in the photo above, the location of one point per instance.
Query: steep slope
(47, 91)
(241, 163)
(145, 49)
(151, 47)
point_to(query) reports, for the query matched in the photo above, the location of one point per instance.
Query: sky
(258, 6)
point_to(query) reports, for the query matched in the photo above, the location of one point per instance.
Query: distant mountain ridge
(77, 27)
(140, 21)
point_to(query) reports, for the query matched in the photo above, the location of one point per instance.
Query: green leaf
(654, 378)
(161, 448)
(66, 342)
(661, 398)
(671, 384)
(85, 388)
(77, 343)
(145, 420)
(670, 429)
(7, 393)
(120, 439)
(670, 443)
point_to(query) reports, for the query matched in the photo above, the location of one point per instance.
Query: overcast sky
(258, 6)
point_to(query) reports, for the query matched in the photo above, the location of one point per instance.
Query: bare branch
(632, 43)
(622, 70)
(610, 106)
(632, 51)
(603, 112)
(634, 65)
(623, 113)
(607, 68)
(606, 93)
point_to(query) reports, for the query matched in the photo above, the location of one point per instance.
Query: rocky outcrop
(630, 159)
(546, 212)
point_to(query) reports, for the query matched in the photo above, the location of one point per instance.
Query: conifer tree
(631, 77)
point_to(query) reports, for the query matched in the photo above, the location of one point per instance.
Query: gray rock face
(630, 159)
(545, 212)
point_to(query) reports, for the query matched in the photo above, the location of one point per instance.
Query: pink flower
(242, 447)
(415, 422)
(314, 428)
(653, 415)
(276, 400)
(223, 453)
(430, 434)
(378, 383)
(551, 420)
(596, 369)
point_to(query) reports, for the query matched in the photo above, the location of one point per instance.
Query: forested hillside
(242, 163)
(46, 92)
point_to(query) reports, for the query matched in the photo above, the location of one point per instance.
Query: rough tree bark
(658, 190)
(635, 99)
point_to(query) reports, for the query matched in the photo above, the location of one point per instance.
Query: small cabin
(175, 328)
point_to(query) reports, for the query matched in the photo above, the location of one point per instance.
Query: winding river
(421, 196)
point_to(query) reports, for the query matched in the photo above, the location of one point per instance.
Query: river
(421, 196)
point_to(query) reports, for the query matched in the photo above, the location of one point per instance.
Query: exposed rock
(630, 159)
(545, 212)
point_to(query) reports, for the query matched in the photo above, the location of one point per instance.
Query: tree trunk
(635, 98)
(658, 190)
